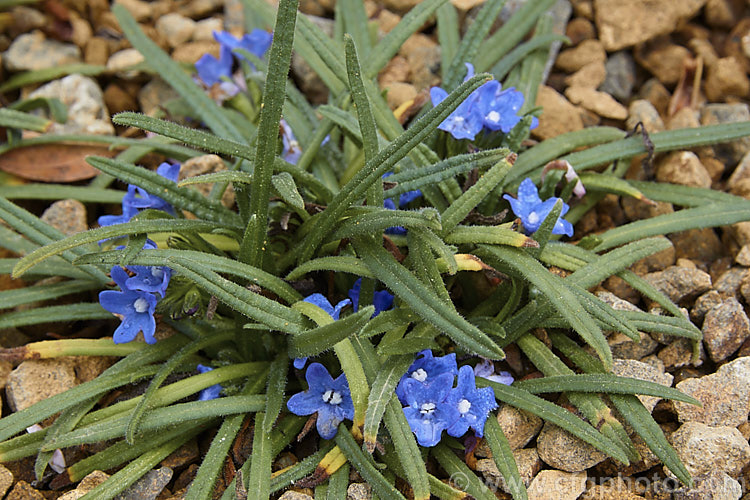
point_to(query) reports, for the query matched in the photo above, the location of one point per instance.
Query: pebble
(586, 52)
(643, 371)
(26, 19)
(82, 30)
(715, 485)
(704, 449)
(557, 485)
(295, 495)
(154, 95)
(206, 164)
(642, 111)
(398, 93)
(743, 256)
(620, 77)
(35, 380)
(88, 483)
(87, 113)
(559, 115)
(623, 23)
(725, 329)
(122, 62)
(697, 244)
(67, 216)
(724, 395)
(519, 427)
(564, 451)
(527, 461)
(139, 9)
(23, 491)
(198, 9)
(636, 209)
(663, 59)
(359, 491)
(613, 489)
(423, 55)
(684, 168)
(6, 480)
(725, 78)
(703, 304)
(204, 29)
(33, 51)
(120, 97)
(96, 51)
(308, 80)
(679, 283)
(190, 52)
(600, 103)
(149, 486)
(722, 13)
(590, 75)
(730, 281)
(657, 94)
(731, 153)
(175, 28)
(580, 29)
(705, 49)
(679, 353)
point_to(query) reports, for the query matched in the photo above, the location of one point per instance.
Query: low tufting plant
(356, 305)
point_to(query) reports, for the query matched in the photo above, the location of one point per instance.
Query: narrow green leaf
(362, 221)
(19, 296)
(47, 74)
(381, 393)
(284, 185)
(491, 235)
(10, 118)
(54, 314)
(448, 34)
(606, 183)
(460, 474)
(61, 191)
(687, 196)
(315, 341)
(339, 263)
(518, 54)
(503, 457)
(259, 481)
(407, 449)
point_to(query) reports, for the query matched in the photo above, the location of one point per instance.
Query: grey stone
(728, 284)
(713, 486)
(562, 450)
(703, 304)
(616, 302)
(680, 353)
(527, 461)
(175, 28)
(295, 495)
(67, 216)
(725, 329)
(724, 395)
(642, 111)
(643, 371)
(359, 491)
(149, 486)
(32, 51)
(35, 380)
(620, 78)
(680, 283)
(704, 449)
(732, 152)
(87, 113)
(519, 427)
(557, 485)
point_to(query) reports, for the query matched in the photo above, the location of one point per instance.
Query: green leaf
(339, 263)
(448, 34)
(54, 314)
(284, 185)
(261, 459)
(687, 196)
(19, 296)
(381, 394)
(61, 191)
(492, 235)
(518, 54)
(424, 302)
(315, 341)
(406, 448)
(460, 474)
(47, 74)
(10, 118)
(361, 221)
(503, 457)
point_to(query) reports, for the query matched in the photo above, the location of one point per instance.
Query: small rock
(123, 61)
(616, 302)
(6, 480)
(731, 153)
(722, 13)
(684, 168)
(175, 28)
(584, 8)
(82, 31)
(557, 485)
(662, 59)
(725, 329)
(23, 491)
(613, 489)
(728, 284)
(680, 284)
(96, 51)
(726, 78)
(559, 116)
(182, 456)
(32, 51)
(423, 55)
(294, 495)
(586, 52)
(590, 75)
(119, 99)
(704, 449)
(67, 216)
(87, 484)
(600, 103)
(397, 70)
(35, 380)
(519, 427)
(743, 256)
(204, 29)
(139, 9)
(87, 113)
(656, 262)
(309, 82)
(198, 9)
(705, 303)
(697, 244)
(26, 19)
(624, 347)
(705, 49)
(620, 79)
(399, 93)
(657, 94)
(147, 487)
(527, 461)
(741, 188)
(643, 371)
(713, 486)
(562, 450)
(642, 111)
(622, 23)
(724, 396)
(580, 29)
(359, 491)
(206, 164)
(154, 94)
(190, 52)
(87, 368)
(679, 353)
(636, 210)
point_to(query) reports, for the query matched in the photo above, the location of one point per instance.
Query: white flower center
(140, 305)
(419, 374)
(332, 397)
(427, 409)
(493, 116)
(157, 272)
(459, 119)
(533, 217)
(463, 406)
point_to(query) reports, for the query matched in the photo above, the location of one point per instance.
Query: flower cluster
(433, 405)
(212, 71)
(489, 107)
(532, 210)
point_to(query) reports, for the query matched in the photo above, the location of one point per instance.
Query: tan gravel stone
(557, 485)
(726, 78)
(599, 102)
(703, 449)
(35, 380)
(685, 168)
(662, 59)
(559, 115)
(586, 52)
(590, 75)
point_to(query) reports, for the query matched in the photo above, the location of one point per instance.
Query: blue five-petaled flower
(532, 210)
(473, 405)
(425, 369)
(135, 308)
(326, 396)
(428, 411)
(321, 301)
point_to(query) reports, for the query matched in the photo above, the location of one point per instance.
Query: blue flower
(499, 107)
(532, 210)
(427, 411)
(466, 120)
(149, 279)
(128, 212)
(135, 307)
(208, 393)
(291, 149)
(211, 70)
(139, 198)
(404, 199)
(256, 42)
(486, 369)
(328, 397)
(321, 301)
(382, 299)
(425, 369)
(473, 405)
